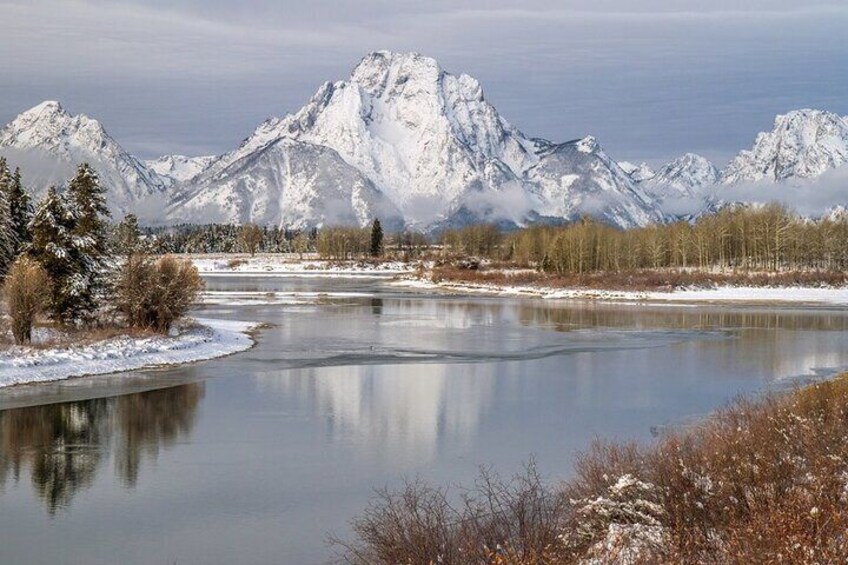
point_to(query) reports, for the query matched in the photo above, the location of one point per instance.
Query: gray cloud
(651, 79)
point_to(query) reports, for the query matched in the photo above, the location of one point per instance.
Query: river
(355, 385)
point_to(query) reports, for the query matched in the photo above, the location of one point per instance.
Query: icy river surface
(355, 385)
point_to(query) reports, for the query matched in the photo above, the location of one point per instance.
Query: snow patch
(210, 339)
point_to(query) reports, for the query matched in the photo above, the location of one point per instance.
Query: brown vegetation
(758, 482)
(250, 237)
(636, 280)
(154, 294)
(26, 291)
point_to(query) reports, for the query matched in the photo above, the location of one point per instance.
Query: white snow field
(208, 339)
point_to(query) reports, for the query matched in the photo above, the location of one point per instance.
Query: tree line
(765, 238)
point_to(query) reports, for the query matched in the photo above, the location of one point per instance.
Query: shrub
(27, 294)
(154, 294)
(761, 481)
(504, 522)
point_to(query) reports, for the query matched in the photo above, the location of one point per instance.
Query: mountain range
(403, 140)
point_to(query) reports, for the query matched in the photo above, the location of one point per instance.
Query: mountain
(802, 145)
(638, 173)
(285, 182)
(404, 140)
(432, 146)
(578, 177)
(686, 176)
(48, 144)
(176, 169)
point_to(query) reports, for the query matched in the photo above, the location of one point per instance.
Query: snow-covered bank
(724, 294)
(209, 339)
(292, 266)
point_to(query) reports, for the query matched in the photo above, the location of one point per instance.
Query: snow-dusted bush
(26, 291)
(155, 294)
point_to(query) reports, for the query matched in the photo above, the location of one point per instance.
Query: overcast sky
(651, 79)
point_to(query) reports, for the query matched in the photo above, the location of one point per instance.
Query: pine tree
(86, 199)
(52, 246)
(20, 207)
(127, 236)
(8, 238)
(376, 238)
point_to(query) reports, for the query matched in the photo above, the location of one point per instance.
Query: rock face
(433, 148)
(803, 145)
(48, 143)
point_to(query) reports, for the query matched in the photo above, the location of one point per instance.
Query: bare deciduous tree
(27, 293)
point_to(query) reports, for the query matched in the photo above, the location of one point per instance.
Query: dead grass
(759, 482)
(641, 280)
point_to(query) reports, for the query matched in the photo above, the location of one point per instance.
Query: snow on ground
(208, 339)
(228, 298)
(725, 294)
(292, 266)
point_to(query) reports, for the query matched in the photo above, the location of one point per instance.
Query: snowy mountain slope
(638, 173)
(686, 176)
(287, 182)
(802, 145)
(439, 151)
(577, 177)
(48, 144)
(175, 169)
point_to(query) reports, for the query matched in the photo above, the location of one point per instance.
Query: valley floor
(206, 339)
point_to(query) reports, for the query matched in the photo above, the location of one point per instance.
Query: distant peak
(588, 144)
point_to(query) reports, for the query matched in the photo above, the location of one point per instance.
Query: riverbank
(205, 339)
(514, 286)
(758, 482)
(293, 265)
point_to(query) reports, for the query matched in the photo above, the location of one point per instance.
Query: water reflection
(398, 413)
(63, 446)
(778, 344)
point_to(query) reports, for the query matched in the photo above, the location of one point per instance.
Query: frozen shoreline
(725, 294)
(285, 265)
(210, 339)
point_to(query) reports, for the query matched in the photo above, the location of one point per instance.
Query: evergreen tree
(376, 238)
(86, 199)
(8, 238)
(20, 207)
(127, 236)
(52, 245)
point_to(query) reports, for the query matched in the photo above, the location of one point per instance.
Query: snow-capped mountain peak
(802, 144)
(48, 143)
(684, 176)
(49, 126)
(430, 144)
